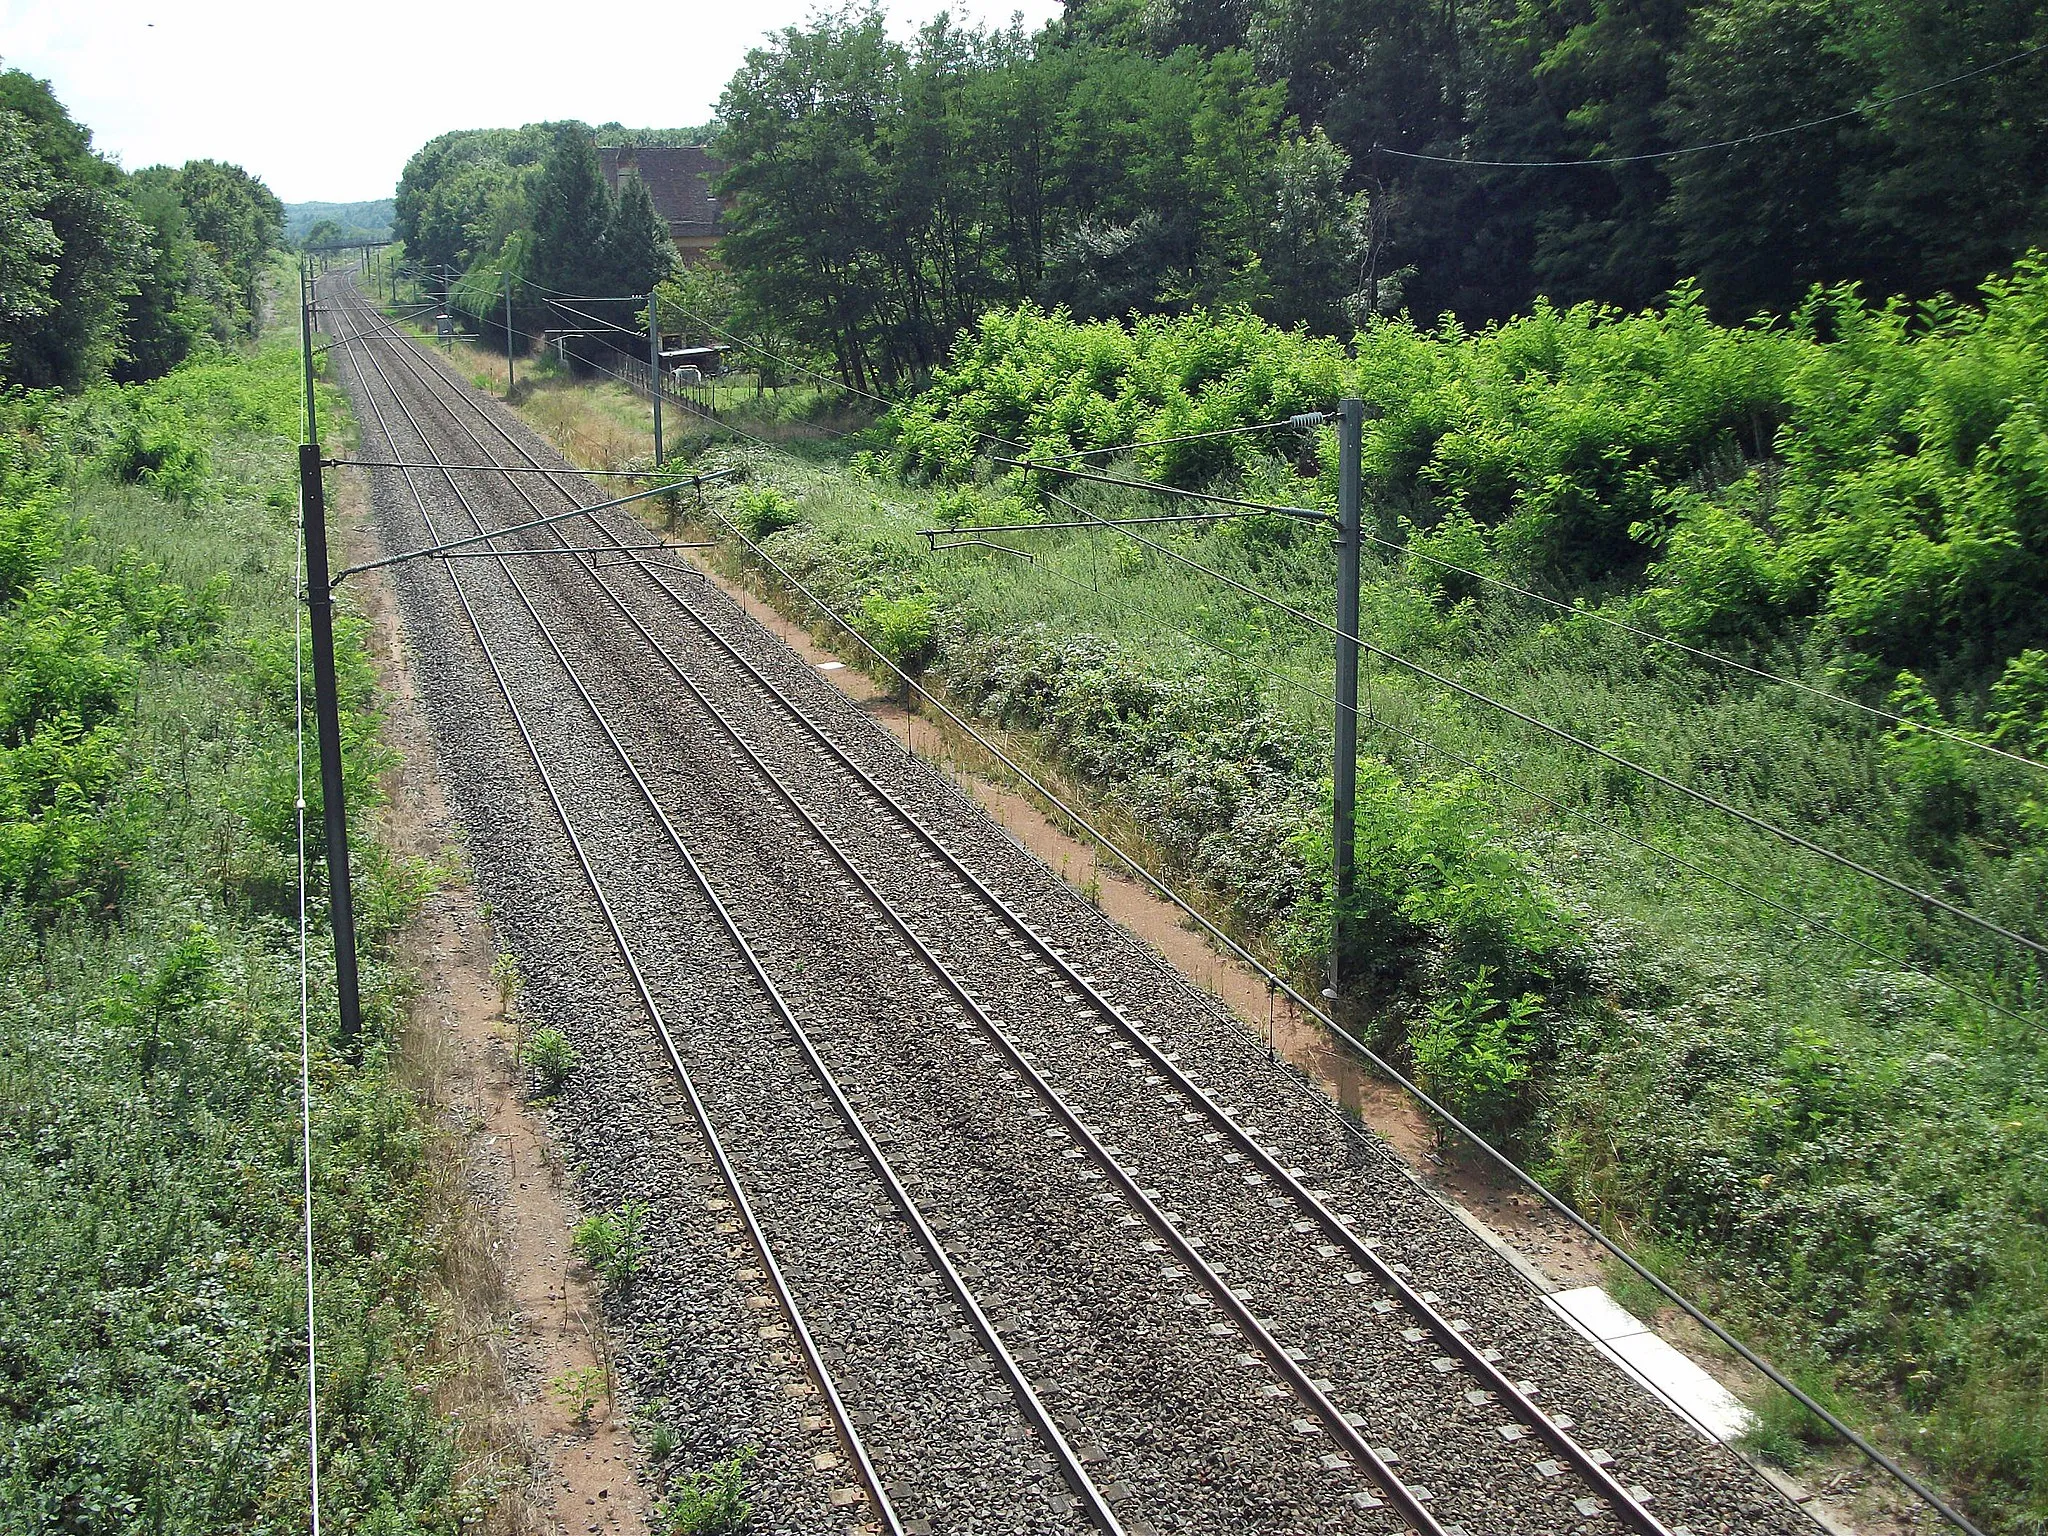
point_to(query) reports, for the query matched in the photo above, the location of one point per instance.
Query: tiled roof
(678, 178)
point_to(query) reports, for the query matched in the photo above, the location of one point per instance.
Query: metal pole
(327, 707)
(306, 345)
(654, 371)
(508, 336)
(1344, 765)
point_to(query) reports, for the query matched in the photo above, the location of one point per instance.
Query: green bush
(1877, 467)
(760, 511)
(157, 447)
(614, 1244)
(149, 1022)
(550, 1057)
(900, 627)
(1471, 1050)
(712, 1502)
(1450, 561)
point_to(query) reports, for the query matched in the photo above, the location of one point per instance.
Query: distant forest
(1320, 162)
(110, 273)
(350, 221)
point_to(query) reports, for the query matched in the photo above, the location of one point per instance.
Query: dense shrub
(152, 1302)
(1883, 469)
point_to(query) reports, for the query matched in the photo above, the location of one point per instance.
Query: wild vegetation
(1823, 1102)
(151, 1291)
(102, 272)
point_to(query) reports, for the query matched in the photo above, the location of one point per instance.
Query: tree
(805, 187)
(638, 253)
(238, 219)
(1314, 246)
(75, 335)
(181, 296)
(571, 214)
(1761, 223)
(29, 247)
(324, 232)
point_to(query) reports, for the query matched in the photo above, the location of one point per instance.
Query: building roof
(679, 179)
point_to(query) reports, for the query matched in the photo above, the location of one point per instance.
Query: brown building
(679, 178)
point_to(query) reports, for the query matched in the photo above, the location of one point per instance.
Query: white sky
(326, 101)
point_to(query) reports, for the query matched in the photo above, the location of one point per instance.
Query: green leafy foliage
(1472, 1051)
(550, 1057)
(614, 1244)
(711, 1502)
(1835, 1146)
(106, 273)
(151, 1287)
(763, 510)
(900, 627)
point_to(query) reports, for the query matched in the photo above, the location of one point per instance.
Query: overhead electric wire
(795, 367)
(1305, 514)
(1302, 421)
(1698, 653)
(1926, 898)
(1376, 718)
(1861, 110)
(1279, 984)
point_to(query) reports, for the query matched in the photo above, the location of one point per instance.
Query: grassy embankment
(1844, 1152)
(151, 1291)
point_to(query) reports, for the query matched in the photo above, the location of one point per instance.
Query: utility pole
(1344, 766)
(654, 371)
(327, 699)
(508, 335)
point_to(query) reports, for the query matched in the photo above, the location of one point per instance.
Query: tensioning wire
(1387, 1069)
(1698, 653)
(1818, 925)
(1926, 898)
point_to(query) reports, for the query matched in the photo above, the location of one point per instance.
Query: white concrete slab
(1599, 1314)
(1628, 1341)
(1684, 1384)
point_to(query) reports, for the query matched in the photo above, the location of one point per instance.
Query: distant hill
(359, 221)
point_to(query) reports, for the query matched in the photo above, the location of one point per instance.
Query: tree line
(106, 273)
(1158, 157)
(528, 208)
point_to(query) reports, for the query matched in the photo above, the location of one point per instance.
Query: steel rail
(1033, 1408)
(1411, 1507)
(1364, 1052)
(1439, 1326)
(1338, 1227)
(848, 1435)
(1261, 1337)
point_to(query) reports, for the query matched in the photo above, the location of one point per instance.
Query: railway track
(1193, 1329)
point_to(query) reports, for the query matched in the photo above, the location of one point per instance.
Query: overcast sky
(325, 101)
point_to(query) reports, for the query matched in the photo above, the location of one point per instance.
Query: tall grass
(151, 1291)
